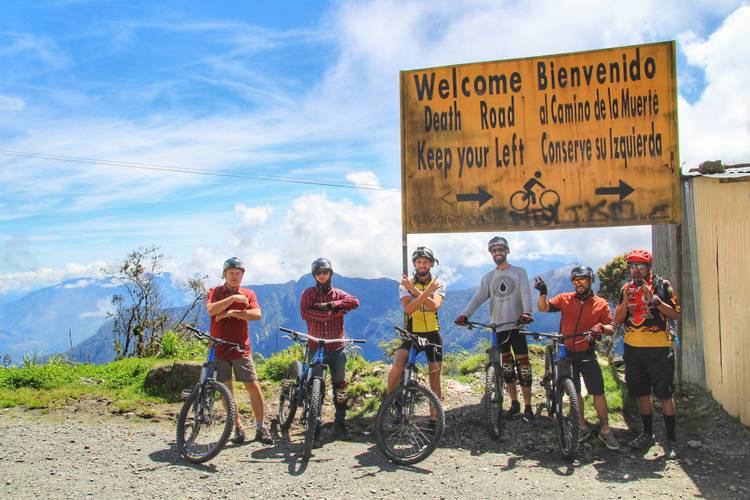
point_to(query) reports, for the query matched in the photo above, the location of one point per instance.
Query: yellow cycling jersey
(423, 320)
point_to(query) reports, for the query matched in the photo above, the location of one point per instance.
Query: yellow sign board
(567, 141)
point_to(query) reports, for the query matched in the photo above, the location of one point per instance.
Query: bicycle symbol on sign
(522, 199)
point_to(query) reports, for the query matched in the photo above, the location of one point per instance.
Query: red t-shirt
(231, 329)
(578, 317)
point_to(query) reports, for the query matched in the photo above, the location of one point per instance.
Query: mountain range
(71, 317)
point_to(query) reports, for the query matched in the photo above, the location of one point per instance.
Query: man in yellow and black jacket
(421, 297)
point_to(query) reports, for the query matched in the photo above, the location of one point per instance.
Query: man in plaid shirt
(323, 308)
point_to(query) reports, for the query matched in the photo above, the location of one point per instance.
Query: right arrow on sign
(481, 196)
(623, 190)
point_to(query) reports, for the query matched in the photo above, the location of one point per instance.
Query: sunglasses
(320, 272)
(581, 279)
(637, 265)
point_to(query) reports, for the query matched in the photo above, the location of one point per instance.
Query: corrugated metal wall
(722, 244)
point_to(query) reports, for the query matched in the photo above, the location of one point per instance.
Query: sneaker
(528, 414)
(239, 435)
(583, 433)
(341, 431)
(263, 435)
(642, 441)
(515, 409)
(670, 450)
(609, 439)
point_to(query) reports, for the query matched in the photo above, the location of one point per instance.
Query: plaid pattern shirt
(326, 324)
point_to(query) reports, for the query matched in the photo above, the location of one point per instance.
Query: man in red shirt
(323, 308)
(580, 312)
(230, 308)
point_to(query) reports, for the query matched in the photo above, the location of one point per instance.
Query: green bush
(275, 367)
(176, 346)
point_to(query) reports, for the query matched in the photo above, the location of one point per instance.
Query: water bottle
(562, 351)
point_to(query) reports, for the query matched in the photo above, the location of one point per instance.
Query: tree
(611, 278)
(140, 319)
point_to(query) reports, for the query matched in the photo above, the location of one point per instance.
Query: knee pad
(509, 374)
(524, 372)
(340, 397)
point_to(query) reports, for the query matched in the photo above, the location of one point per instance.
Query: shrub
(275, 367)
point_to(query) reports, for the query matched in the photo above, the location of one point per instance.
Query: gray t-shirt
(509, 293)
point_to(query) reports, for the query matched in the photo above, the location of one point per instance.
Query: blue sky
(308, 91)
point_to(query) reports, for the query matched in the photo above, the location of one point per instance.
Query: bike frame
(411, 360)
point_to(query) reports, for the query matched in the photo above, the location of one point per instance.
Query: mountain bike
(493, 377)
(561, 394)
(304, 385)
(404, 428)
(207, 416)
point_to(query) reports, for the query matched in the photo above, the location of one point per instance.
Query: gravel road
(80, 452)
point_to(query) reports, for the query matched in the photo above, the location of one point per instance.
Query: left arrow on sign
(481, 196)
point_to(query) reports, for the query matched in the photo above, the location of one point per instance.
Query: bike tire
(288, 398)
(549, 382)
(403, 437)
(493, 402)
(197, 412)
(315, 403)
(566, 419)
(521, 203)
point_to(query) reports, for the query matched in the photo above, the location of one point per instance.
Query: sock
(259, 425)
(648, 424)
(669, 421)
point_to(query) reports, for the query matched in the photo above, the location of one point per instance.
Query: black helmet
(321, 263)
(497, 240)
(232, 263)
(584, 271)
(424, 252)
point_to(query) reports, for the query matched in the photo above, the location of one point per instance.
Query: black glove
(540, 285)
(525, 319)
(461, 320)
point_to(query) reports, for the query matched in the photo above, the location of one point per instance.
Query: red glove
(461, 320)
(596, 331)
(525, 319)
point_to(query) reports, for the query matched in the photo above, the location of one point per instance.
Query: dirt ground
(86, 451)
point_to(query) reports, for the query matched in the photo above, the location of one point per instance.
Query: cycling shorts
(517, 342)
(647, 369)
(243, 368)
(434, 355)
(585, 364)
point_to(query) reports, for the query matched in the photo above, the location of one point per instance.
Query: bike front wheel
(205, 422)
(566, 418)
(493, 402)
(314, 406)
(404, 428)
(288, 398)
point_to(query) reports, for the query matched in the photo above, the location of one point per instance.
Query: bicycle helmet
(321, 263)
(643, 256)
(582, 271)
(424, 252)
(233, 263)
(497, 240)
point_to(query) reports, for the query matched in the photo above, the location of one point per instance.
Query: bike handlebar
(212, 340)
(301, 337)
(410, 337)
(492, 326)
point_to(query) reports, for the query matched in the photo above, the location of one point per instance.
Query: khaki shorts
(244, 369)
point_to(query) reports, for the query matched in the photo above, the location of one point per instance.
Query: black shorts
(433, 354)
(647, 369)
(517, 342)
(585, 364)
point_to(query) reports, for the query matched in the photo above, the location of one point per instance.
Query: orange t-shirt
(579, 316)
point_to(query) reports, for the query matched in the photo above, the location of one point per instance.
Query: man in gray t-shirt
(509, 292)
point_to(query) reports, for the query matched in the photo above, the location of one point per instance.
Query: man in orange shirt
(230, 308)
(581, 312)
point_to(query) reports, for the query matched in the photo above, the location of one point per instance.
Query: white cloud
(11, 103)
(44, 276)
(83, 283)
(103, 308)
(252, 216)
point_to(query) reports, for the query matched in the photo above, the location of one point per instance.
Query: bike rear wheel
(314, 406)
(206, 420)
(566, 418)
(403, 430)
(493, 401)
(288, 398)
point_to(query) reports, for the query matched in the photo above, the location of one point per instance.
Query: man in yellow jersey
(421, 297)
(647, 303)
